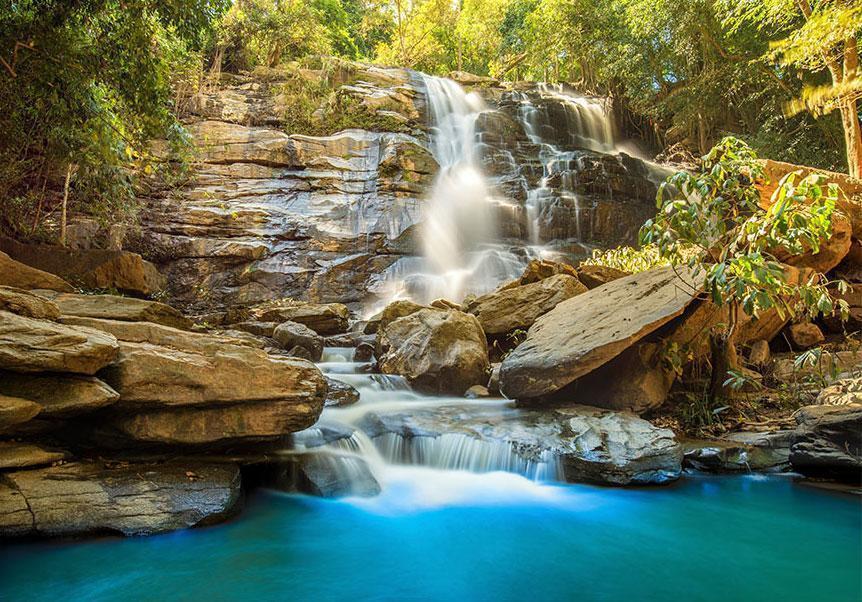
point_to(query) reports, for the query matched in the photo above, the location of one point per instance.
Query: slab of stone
(23, 303)
(115, 307)
(15, 411)
(59, 395)
(15, 455)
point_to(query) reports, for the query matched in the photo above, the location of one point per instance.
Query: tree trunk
(852, 137)
(724, 359)
(65, 204)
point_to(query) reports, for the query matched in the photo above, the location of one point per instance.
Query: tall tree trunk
(65, 204)
(852, 137)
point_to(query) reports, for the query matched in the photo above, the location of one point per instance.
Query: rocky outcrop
(15, 411)
(828, 442)
(511, 308)
(59, 395)
(25, 304)
(28, 345)
(436, 350)
(577, 444)
(114, 307)
(16, 274)
(90, 268)
(588, 330)
(90, 498)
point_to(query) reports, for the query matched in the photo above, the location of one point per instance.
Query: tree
(713, 222)
(819, 35)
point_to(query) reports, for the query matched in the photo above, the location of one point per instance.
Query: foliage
(85, 86)
(629, 259)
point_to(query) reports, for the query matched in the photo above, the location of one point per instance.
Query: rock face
(28, 345)
(828, 442)
(87, 498)
(575, 444)
(59, 395)
(587, 331)
(436, 350)
(21, 302)
(91, 268)
(16, 274)
(113, 307)
(510, 308)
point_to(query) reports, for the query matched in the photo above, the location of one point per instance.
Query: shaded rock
(28, 345)
(828, 442)
(21, 302)
(125, 309)
(759, 354)
(340, 394)
(149, 375)
(740, 452)
(59, 395)
(292, 334)
(90, 268)
(324, 318)
(828, 367)
(16, 274)
(588, 330)
(261, 329)
(804, 335)
(14, 411)
(437, 351)
(511, 308)
(322, 473)
(135, 499)
(393, 311)
(574, 444)
(364, 352)
(594, 276)
(15, 455)
(494, 380)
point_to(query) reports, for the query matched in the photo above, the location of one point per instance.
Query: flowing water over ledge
(435, 535)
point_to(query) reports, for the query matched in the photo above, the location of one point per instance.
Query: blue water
(458, 536)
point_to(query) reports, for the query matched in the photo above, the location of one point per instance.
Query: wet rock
(827, 442)
(18, 301)
(393, 311)
(28, 345)
(444, 304)
(324, 474)
(18, 275)
(364, 352)
(324, 318)
(90, 268)
(15, 455)
(587, 331)
(576, 444)
(437, 351)
(15, 411)
(740, 452)
(59, 395)
(494, 380)
(292, 334)
(477, 391)
(518, 307)
(124, 309)
(131, 499)
(804, 335)
(340, 394)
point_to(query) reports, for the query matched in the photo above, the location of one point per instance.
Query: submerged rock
(574, 444)
(586, 331)
(828, 442)
(436, 350)
(131, 499)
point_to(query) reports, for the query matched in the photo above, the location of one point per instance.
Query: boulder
(740, 452)
(292, 334)
(830, 253)
(15, 455)
(508, 309)
(575, 444)
(594, 276)
(29, 345)
(131, 499)
(586, 331)
(323, 318)
(260, 329)
(804, 335)
(827, 442)
(90, 268)
(18, 301)
(477, 392)
(437, 351)
(59, 395)
(393, 311)
(759, 353)
(15, 411)
(340, 394)
(322, 473)
(153, 376)
(114, 307)
(539, 269)
(16, 274)
(364, 352)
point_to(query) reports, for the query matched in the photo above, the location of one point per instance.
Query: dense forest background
(86, 84)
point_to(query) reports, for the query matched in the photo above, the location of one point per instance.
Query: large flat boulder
(131, 499)
(19, 301)
(575, 444)
(441, 351)
(115, 307)
(586, 331)
(59, 395)
(828, 442)
(29, 345)
(323, 318)
(510, 308)
(16, 274)
(154, 376)
(90, 268)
